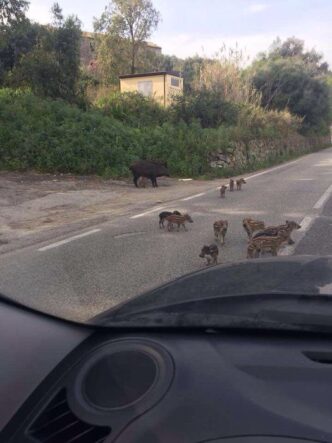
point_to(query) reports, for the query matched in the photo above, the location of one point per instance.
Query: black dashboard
(65, 383)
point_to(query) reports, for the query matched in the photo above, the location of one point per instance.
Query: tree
(57, 15)
(225, 77)
(66, 44)
(113, 58)
(290, 77)
(131, 20)
(15, 41)
(191, 70)
(294, 48)
(51, 66)
(12, 11)
(17, 35)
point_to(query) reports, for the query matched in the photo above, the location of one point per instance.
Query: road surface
(81, 275)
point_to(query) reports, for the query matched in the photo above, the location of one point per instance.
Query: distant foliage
(290, 78)
(12, 11)
(43, 58)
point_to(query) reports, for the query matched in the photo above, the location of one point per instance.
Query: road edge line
(68, 240)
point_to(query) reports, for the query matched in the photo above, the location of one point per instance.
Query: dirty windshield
(144, 140)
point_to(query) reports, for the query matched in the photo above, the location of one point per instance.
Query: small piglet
(210, 253)
(239, 183)
(163, 215)
(222, 191)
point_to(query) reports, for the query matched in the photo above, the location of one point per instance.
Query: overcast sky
(192, 27)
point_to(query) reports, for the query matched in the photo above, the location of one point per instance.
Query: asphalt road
(79, 276)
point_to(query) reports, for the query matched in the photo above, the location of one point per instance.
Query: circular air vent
(119, 379)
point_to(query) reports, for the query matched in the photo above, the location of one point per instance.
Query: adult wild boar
(150, 169)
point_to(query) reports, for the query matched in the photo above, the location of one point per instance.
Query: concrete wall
(241, 154)
(131, 85)
(162, 89)
(172, 91)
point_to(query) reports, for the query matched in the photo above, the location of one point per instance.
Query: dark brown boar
(149, 169)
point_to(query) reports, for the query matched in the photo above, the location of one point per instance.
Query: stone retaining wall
(258, 151)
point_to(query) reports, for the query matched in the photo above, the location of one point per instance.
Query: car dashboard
(66, 383)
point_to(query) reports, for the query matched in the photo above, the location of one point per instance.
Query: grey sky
(203, 26)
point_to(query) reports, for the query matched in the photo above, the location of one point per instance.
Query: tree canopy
(12, 11)
(290, 77)
(43, 58)
(130, 21)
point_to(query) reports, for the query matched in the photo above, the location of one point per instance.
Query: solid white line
(68, 240)
(306, 223)
(271, 170)
(192, 196)
(321, 202)
(147, 212)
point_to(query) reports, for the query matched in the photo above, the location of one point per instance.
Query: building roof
(149, 74)
(152, 45)
(88, 34)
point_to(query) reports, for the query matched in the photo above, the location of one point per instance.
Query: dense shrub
(50, 135)
(206, 107)
(54, 136)
(133, 109)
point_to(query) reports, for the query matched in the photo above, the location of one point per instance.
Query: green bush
(132, 109)
(54, 136)
(206, 107)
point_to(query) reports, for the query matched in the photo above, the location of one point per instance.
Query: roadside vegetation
(57, 116)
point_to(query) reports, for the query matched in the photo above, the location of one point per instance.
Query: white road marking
(236, 212)
(68, 240)
(271, 170)
(306, 224)
(321, 202)
(129, 234)
(192, 196)
(323, 163)
(147, 212)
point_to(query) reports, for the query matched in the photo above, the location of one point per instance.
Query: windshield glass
(141, 141)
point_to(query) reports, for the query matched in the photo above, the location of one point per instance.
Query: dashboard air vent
(58, 424)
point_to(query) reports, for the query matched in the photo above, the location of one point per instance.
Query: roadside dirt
(32, 203)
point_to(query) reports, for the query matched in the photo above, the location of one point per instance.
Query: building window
(145, 88)
(175, 82)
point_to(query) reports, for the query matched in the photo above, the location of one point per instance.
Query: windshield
(141, 141)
